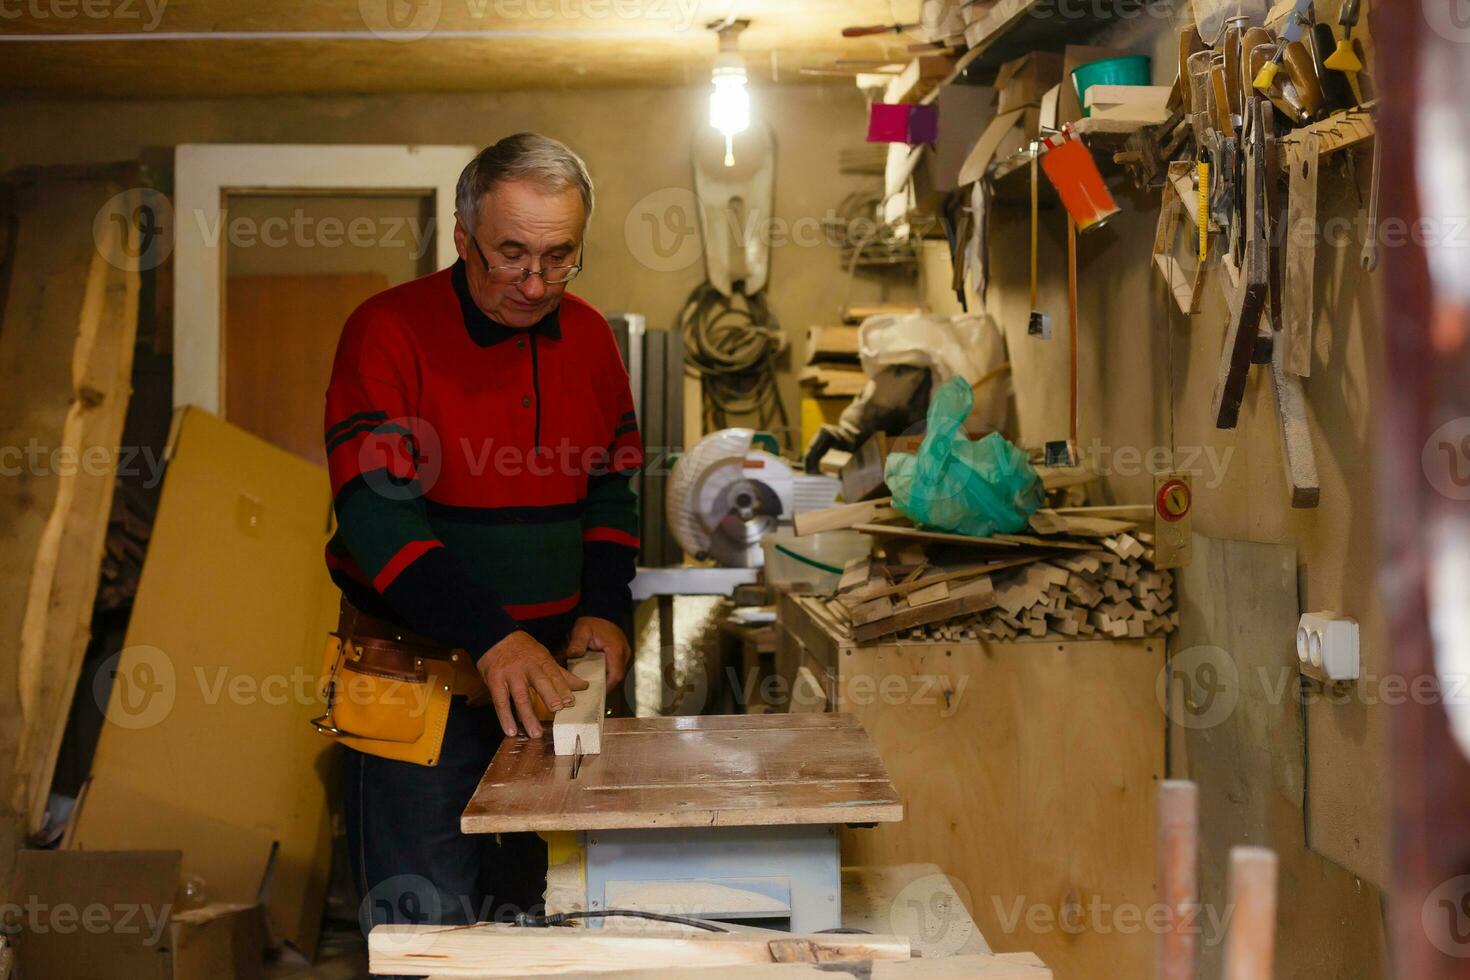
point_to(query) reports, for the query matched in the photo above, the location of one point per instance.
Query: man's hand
(591, 633)
(516, 665)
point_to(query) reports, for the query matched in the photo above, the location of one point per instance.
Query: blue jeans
(409, 859)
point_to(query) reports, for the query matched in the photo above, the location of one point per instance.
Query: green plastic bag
(962, 485)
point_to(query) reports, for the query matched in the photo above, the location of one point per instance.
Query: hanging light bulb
(729, 102)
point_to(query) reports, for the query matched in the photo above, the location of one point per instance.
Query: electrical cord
(733, 348)
(532, 921)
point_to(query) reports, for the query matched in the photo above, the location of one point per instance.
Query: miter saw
(731, 489)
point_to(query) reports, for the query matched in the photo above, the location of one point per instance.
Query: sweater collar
(486, 331)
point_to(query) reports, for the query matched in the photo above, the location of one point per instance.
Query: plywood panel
(730, 770)
(1238, 733)
(1031, 781)
(280, 337)
(207, 745)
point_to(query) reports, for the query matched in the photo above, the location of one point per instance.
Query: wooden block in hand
(584, 718)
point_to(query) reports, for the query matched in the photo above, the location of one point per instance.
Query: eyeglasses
(553, 275)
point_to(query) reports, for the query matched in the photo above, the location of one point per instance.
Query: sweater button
(521, 342)
(525, 401)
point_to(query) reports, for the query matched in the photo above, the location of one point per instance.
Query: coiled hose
(733, 347)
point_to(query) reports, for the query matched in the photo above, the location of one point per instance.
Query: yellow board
(816, 412)
(208, 747)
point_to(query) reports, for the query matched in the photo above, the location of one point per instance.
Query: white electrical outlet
(1327, 647)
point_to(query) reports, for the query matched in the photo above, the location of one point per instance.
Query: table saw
(730, 817)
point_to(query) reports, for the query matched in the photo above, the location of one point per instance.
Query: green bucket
(1131, 69)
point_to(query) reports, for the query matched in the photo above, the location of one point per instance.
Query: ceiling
(215, 48)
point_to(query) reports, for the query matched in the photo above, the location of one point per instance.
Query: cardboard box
(1069, 109)
(1129, 103)
(964, 112)
(95, 913)
(218, 942)
(1022, 82)
(1008, 133)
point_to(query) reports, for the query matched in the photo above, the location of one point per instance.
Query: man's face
(520, 224)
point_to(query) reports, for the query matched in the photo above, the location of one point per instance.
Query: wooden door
(280, 336)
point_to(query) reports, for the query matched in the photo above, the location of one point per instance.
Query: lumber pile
(1064, 596)
(1084, 572)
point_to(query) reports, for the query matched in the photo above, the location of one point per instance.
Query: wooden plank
(833, 381)
(579, 727)
(927, 593)
(919, 77)
(838, 344)
(1297, 453)
(1136, 513)
(946, 575)
(974, 966)
(498, 950)
(66, 354)
(970, 597)
(1337, 132)
(712, 770)
(842, 516)
(1301, 255)
(871, 610)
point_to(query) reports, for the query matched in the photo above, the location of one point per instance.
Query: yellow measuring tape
(1204, 209)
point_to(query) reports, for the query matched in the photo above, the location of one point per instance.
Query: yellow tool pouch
(391, 699)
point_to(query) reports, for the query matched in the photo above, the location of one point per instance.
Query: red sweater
(480, 473)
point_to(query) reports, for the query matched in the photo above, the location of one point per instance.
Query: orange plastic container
(1079, 183)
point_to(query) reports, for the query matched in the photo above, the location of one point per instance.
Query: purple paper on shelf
(923, 124)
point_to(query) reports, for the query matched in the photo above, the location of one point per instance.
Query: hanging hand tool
(1336, 92)
(870, 29)
(1301, 68)
(1345, 58)
(1039, 324)
(1235, 28)
(1290, 31)
(1247, 299)
(1369, 258)
(1279, 90)
(1189, 44)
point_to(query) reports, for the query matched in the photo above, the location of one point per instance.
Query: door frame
(205, 173)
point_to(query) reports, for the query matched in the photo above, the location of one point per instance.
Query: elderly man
(480, 437)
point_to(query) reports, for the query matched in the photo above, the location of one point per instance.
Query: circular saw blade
(722, 499)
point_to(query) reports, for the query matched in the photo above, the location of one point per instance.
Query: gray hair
(523, 156)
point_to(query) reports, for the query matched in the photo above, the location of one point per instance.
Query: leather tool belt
(387, 691)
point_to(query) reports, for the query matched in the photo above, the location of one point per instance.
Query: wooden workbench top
(711, 770)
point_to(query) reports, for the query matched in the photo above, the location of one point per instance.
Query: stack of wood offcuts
(1078, 575)
(832, 369)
